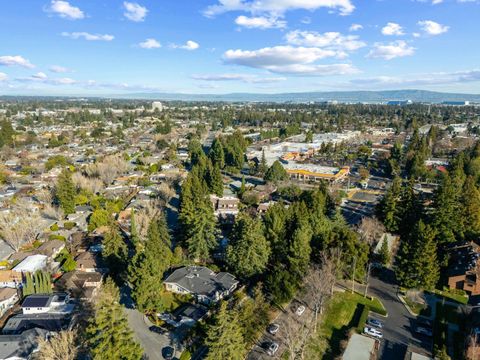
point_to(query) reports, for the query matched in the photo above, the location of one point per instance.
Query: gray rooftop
(200, 280)
(20, 346)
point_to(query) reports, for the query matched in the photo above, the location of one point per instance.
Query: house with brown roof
(463, 268)
(88, 262)
(8, 298)
(10, 279)
(51, 248)
(81, 285)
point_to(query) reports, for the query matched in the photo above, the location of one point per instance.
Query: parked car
(424, 331)
(272, 348)
(374, 322)
(300, 310)
(373, 332)
(157, 329)
(273, 328)
(168, 352)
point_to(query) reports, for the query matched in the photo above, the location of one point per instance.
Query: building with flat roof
(361, 347)
(32, 263)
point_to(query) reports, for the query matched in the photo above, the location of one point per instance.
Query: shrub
(57, 237)
(69, 225)
(186, 355)
(54, 227)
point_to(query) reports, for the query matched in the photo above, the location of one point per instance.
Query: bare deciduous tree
(144, 216)
(166, 192)
(370, 230)
(89, 184)
(319, 284)
(296, 333)
(19, 225)
(62, 346)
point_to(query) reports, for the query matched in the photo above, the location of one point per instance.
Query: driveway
(398, 327)
(152, 342)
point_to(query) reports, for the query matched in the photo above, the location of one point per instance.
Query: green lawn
(341, 315)
(454, 295)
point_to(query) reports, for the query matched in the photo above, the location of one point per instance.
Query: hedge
(69, 225)
(365, 310)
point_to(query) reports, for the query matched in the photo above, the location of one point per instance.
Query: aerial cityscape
(240, 180)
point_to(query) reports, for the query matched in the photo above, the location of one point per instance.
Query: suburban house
(89, 262)
(8, 298)
(201, 282)
(31, 264)
(225, 207)
(361, 347)
(17, 324)
(47, 303)
(20, 347)
(10, 279)
(79, 284)
(463, 266)
(51, 248)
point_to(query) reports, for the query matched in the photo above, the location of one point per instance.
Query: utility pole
(353, 274)
(368, 277)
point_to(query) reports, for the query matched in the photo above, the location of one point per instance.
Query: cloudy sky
(218, 46)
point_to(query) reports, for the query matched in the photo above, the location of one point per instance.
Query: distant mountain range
(340, 96)
(300, 97)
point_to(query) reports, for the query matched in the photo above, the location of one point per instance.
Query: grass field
(341, 315)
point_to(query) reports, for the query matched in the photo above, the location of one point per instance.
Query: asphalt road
(398, 327)
(151, 342)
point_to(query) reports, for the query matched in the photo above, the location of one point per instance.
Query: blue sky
(94, 47)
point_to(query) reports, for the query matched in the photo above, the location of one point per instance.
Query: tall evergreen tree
(115, 250)
(216, 154)
(248, 253)
(471, 209)
(417, 262)
(215, 180)
(65, 192)
(148, 267)
(389, 211)
(262, 166)
(276, 173)
(198, 222)
(108, 334)
(224, 338)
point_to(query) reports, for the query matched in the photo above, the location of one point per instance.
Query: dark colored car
(157, 329)
(168, 352)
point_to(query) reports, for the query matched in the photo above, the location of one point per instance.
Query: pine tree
(300, 250)
(389, 211)
(224, 337)
(215, 180)
(417, 264)
(276, 173)
(198, 222)
(148, 267)
(65, 192)
(249, 251)
(109, 336)
(471, 209)
(134, 237)
(242, 187)
(217, 154)
(115, 249)
(384, 253)
(262, 166)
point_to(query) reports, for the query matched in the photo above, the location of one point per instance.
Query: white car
(373, 332)
(300, 310)
(272, 348)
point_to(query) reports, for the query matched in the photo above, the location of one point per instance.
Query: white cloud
(421, 79)
(391, 50)
(341, 44)
(3, 76)
(278, 7)
(392, 29)
(436, 2)
(150, 44)
(433, 28)
(65, 10)
(355, 27)
(260, 22)
(63, 81)
(58, 69)
(288, 60)
(189, 45)
(40, 76)
(251, 79)
(88, 36)
(134, 12)
(9, 60)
